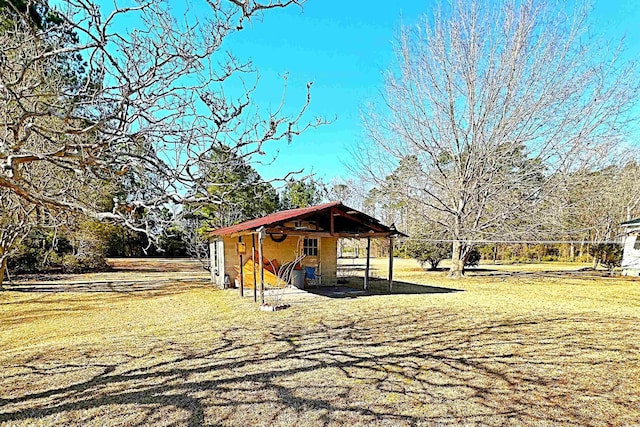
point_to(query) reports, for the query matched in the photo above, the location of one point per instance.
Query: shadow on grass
(405, 369)
(42, 303)
(354, 288)
(129, 286)
(154, 265)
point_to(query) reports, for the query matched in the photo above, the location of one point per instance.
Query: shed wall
(631, 256)
(329, 259)
(284, 251)
(231, 257)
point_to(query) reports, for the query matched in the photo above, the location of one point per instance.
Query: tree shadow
(154, 265)
(409, 368)
(151, 287)
(354, 288)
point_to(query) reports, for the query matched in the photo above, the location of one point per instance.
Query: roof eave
(631, 223)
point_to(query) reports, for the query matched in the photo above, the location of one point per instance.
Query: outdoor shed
(301, 242)
(631, 248)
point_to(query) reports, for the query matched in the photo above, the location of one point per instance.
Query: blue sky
(343, 47)
(340, 46)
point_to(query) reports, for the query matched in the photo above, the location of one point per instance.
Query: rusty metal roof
(363, 220)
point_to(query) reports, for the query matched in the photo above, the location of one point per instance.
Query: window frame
(311, 246)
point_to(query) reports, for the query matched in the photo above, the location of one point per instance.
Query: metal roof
(631, 223)
(279, 218)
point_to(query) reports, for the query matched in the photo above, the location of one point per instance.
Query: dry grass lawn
(559, 350)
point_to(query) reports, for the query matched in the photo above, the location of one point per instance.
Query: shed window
(310, 247)
(636, 245)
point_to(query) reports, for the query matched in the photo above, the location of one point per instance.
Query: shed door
(217, 262)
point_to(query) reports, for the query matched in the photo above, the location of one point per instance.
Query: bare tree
(197, 246)
(496, 102)
(626, 188)
(597, 201)
(83, 102)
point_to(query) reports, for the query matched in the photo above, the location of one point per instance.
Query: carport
(252, 253)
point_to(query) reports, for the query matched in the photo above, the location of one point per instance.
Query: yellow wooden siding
(329, 259)
(284, 252)
(230, 257)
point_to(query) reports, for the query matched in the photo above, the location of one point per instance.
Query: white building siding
(631, 255)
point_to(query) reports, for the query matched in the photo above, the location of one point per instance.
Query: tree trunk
(457, 261)
(3, 268)
(581, 250)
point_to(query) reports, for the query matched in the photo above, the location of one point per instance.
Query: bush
(81, 249)
(431, 253)
(71, 264)
(510, 253)
(552, 252)
(530, 255)
(472, 259)
(584, 258)
(607, 254)
(31, 253)
(74, 264)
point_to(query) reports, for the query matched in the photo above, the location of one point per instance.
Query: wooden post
(3, 268)
(366, 270)
(241, 272)
(390, 264)
(253, 258)
(331, 221)
(261, 268)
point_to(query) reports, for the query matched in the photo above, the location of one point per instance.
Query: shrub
(510, 253)
(75, 250)
(31, 253)
(529, 255)
(75, 264)
(431, 253)
(607, 254)
(552, 252)
(584, 258)
(71, 264)
(472, 259)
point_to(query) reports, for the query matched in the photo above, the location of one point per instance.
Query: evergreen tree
(237, 190)
(300, 194)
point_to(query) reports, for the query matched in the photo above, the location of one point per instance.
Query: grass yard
(153, 348)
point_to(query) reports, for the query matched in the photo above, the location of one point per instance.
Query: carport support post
(241, 272)
(366, 270)
(390, 264)
(253, 258)
(261, 234)
(3, 268)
